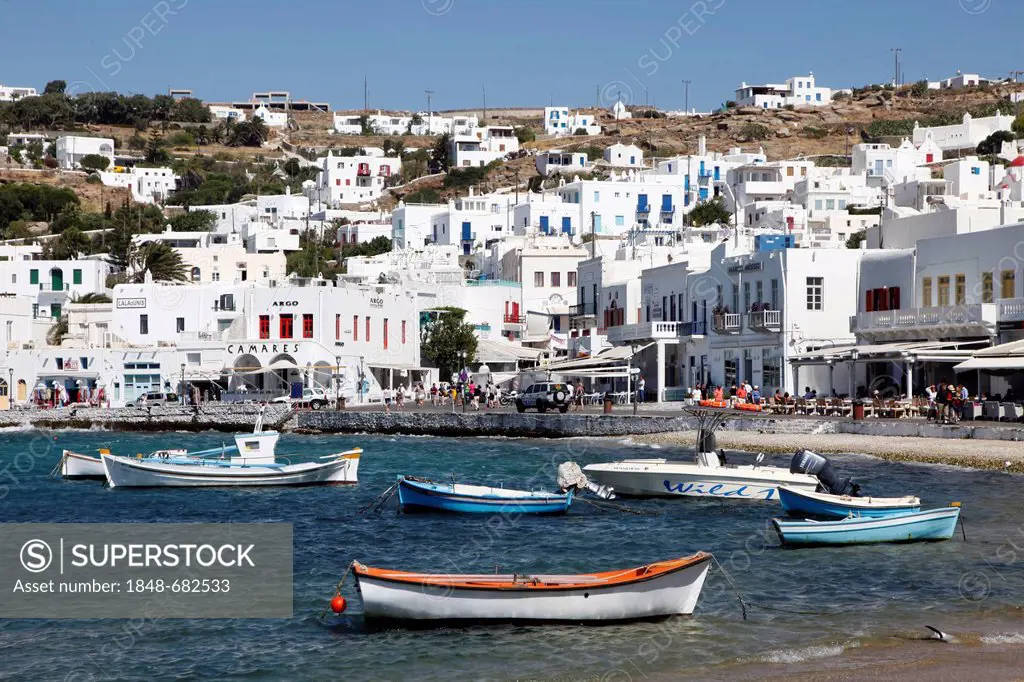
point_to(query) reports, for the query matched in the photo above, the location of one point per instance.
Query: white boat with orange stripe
(658, 590)
(76, 466)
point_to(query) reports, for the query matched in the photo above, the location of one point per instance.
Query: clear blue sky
(525, 52)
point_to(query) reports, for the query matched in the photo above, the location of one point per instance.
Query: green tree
(194, 221)
(159, 260)
(919, 89)
(993, 144)
(94, 162)
(441, 153)
(1018, 125)
(57, 87)
(855, 240)
(155, 152)
(190, 110)
(525, 134)
(445, 337)
(708, 212)
(68, 246)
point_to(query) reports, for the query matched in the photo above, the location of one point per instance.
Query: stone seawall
(528, 425)
(231, 418)
(577, 425)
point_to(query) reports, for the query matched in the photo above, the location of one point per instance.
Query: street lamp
(465, 386)
(10, 388)
(183, 383)
(854, 354)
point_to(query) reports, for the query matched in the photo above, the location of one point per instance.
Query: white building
(620, 112)
(272, 119)
(967, 134)
(885, 165)
(354, 179)
(624, 156)
(225, 113)
(483, 146)
(52, 284)
(413, 224)
(421, 123)
(558, 121)
(10, 93)
(211, 257)
(959, 81)
(557, 161)
(796, 91)
(71, 149)
(147, 185)
(472, 221)
(25, 139)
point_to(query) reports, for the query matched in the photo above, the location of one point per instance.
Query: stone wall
(230, 417)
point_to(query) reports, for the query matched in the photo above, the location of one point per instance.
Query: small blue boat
(930, 525)
(804, 503)
(420, 495)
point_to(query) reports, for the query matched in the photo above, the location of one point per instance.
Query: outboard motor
(807, 462)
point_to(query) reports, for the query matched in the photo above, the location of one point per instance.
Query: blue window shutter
(566, 225)
(666, 203)
(544, 224)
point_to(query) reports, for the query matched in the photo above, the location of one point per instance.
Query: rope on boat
(382, 499)
(744, 603)
(604, 506)
(60, 463)
(337, 590)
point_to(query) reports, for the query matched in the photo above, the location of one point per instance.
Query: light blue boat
(930, 525)
(804, 503)
(420, 495)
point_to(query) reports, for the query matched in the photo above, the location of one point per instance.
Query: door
(544, 224)
(566, 225)
(57, 279)
(22, 391)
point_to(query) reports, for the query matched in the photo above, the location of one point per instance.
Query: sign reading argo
(131, 303)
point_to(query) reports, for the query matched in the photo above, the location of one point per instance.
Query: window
(33, 276)
(307, 325)
(842, 204)
(556, 279)
(960, 291)
(746, 297)
(735, 297)
(76, 276)
(1006, 284)
(815, 293)
(926, 292)
(287, 325)
(143, 324)
(986, 287)
(597, 196)
(403, 332)
(943, 290)
(355, 327)
(180, 325)
(830, 204)
(620, 220)
(264, 326)
(367, 328)
(337, 327)
(385, 333)
(817, 204)
(759, 296)
(538, 279)
(570, 278)
(775, 294)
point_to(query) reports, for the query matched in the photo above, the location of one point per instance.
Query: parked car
(154, 399)
(544, 396)
(315, 398)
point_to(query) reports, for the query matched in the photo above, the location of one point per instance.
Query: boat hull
(803, 503)
(931, 525)
(669, 594)
(76, 466)
(659, 478)
(129, 473)
(414, 496)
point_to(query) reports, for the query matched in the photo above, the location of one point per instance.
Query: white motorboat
(658, 590)
(708, 476)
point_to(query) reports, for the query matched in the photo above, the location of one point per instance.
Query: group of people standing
(737, 393)
(946, 402)
(447, 393)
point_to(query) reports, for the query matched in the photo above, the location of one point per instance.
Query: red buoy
(338, 603)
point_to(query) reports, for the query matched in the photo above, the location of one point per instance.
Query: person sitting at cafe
(755, 396)
(809, 394)
(779, 397)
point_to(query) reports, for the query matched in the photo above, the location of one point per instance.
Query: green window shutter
(33, 277)
(77, 276)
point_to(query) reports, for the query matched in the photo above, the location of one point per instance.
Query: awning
(1005, 358)
(611, 356)
(496, 352)
(921, 351)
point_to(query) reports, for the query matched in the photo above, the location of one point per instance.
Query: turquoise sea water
(825, 599)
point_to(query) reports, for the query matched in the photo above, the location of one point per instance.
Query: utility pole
(517, 185)
(597, 97)
(896, 66)
(366, 94)
(485, 103)
(686, 106)
(429, 93)
(593, 236)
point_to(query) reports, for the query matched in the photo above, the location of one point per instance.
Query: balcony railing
(668, 208)
(514, 319)
(223, 307)
(765, 320)
(643, 331)
(582, 309)
(727, 323)
(643, 208)
(1011, 310)
(981, 316)
(48, 286)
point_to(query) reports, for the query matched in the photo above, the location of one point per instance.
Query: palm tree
(161, 261)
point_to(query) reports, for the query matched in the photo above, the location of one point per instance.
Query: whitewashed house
(624, 156)
(353, 179)
(272, 119)
(557, 161)
(886, 165)
(483, 146)
(559, 121)
(71, 149)
(967, 134)
(225, 113)
(147, 185)
(211, 257)
(796, 91)
(10, 93)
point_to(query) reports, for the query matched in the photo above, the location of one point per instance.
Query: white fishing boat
(76, 466)
(250, 462)
(657, 590)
